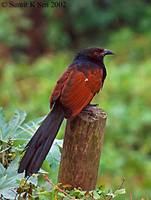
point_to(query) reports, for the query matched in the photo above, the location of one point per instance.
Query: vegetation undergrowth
(14, 134)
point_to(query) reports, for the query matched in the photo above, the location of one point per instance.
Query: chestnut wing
(79, 90)
(59, 86)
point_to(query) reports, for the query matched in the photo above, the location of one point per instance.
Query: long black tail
(39, 145)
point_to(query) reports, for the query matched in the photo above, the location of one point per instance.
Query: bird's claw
(94, 104)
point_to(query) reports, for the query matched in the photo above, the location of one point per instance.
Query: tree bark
(82, 149)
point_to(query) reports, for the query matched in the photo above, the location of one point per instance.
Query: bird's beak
(108, 52)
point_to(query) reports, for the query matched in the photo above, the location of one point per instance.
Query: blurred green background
(37, 44)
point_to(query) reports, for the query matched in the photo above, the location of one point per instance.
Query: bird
(74, 90)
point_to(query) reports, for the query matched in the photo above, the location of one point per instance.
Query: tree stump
(82, 149)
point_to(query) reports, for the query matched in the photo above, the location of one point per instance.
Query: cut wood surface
(82, 149)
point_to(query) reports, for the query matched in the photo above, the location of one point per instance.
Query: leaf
(2, 116)
(3, 125)
(110, 194)
(46, 166)
(8, 179)
(12, 168)
(2, 169)
(26, 130)
(14, 123)
(33, 180)
(3, 179)
(120, 191)
(60, 194)
(54, 155)
(66, 198)
(10, 194)
(96, 195)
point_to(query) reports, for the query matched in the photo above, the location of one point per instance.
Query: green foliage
(63, 28)
(13, 20)
(8, 180)
(13, 185)
(78, 194)
(91, 22)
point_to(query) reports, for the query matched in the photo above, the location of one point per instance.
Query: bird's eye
(96, 53)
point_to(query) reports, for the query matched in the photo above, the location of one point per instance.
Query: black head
(94, 54)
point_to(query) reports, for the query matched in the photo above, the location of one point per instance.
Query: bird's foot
(89, 108)
(93, 104)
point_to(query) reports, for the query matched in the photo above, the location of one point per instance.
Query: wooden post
(82, 149)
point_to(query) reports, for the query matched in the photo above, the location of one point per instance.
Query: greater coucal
(72, 93)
